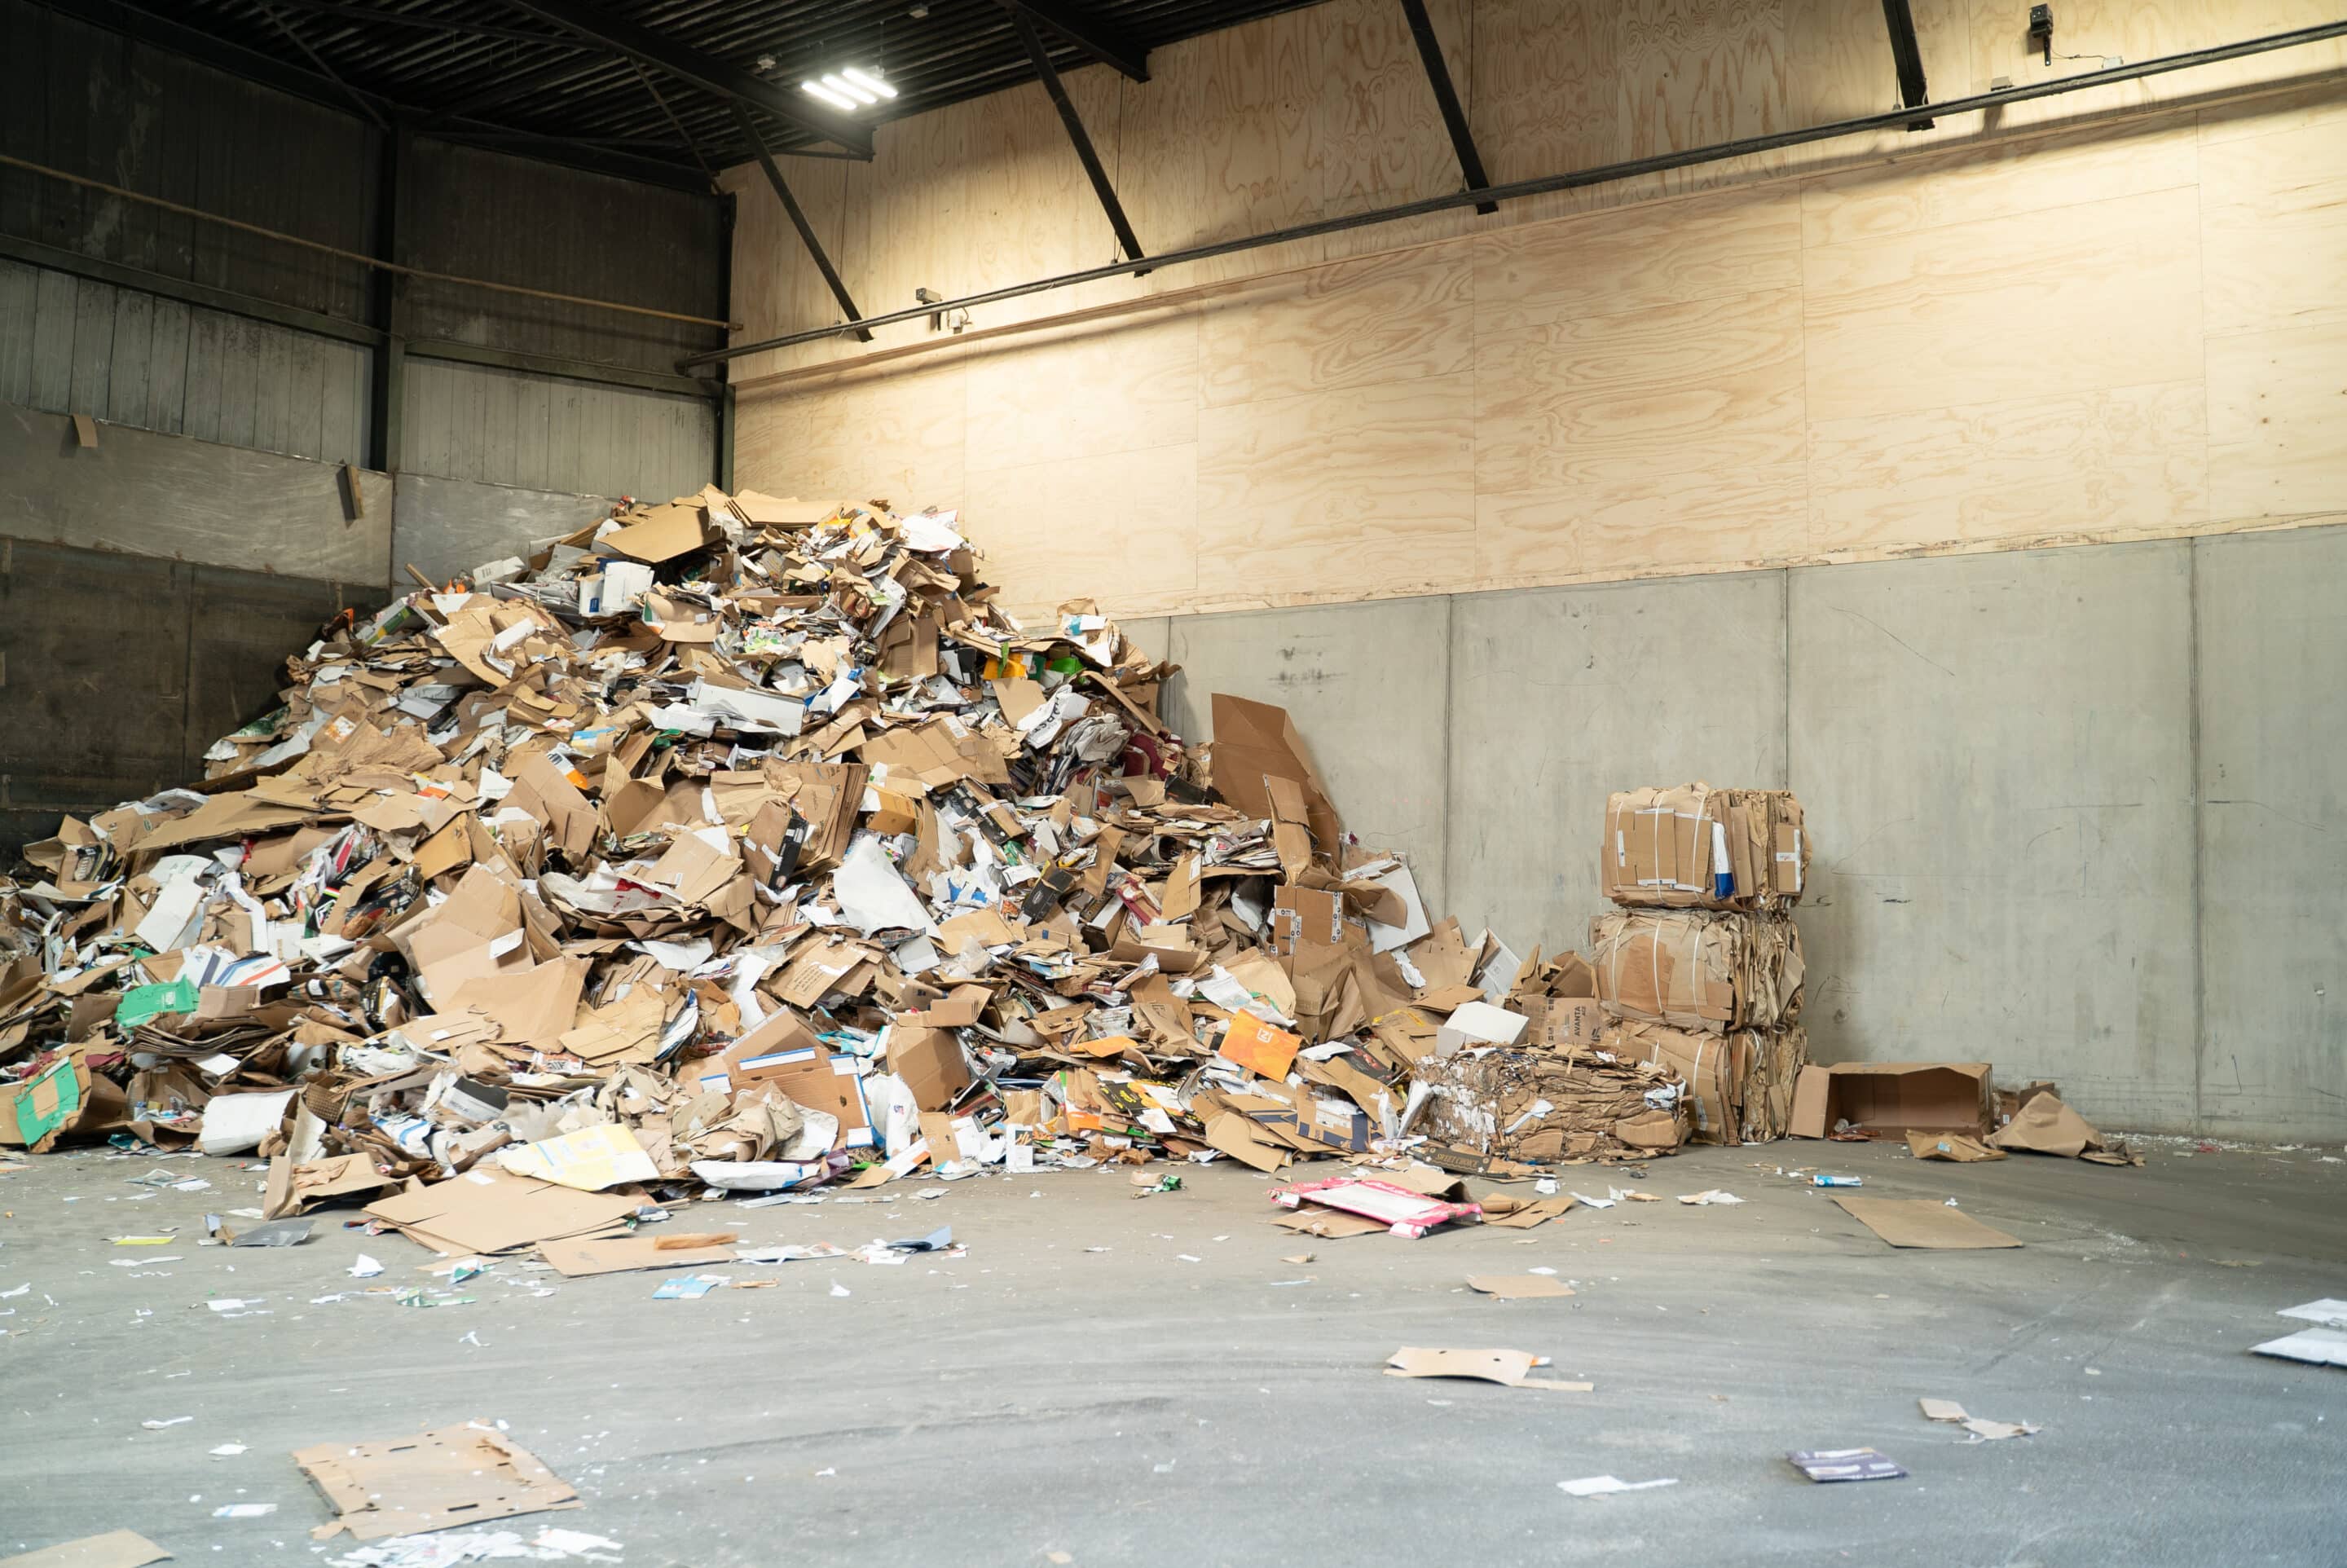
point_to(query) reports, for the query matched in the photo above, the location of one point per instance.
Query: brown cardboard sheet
(487, 1210)
(1924, 1223)
(467, 1474)
(115, 1549)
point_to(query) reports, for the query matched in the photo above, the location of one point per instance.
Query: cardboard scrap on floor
(1982, 1431)
(465, 1474)
(1510, 1369)
(1962, 1148)
(578, 1259)
(2044, 1125)
(489, 1211)
(2324, 1345)
(1923, 1222)
(1518, 1286)
(1401, 1211)
(115, 1549)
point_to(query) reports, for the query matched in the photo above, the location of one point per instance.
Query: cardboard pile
(741, 843)
(1700, 970)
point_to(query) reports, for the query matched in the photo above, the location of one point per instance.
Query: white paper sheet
(873, 896)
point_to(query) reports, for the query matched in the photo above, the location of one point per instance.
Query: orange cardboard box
(1259, 1047)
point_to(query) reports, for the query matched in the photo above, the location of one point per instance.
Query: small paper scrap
(1606, 1485)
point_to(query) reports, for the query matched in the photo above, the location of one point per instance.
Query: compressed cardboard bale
(1491, 1103)
(1698, 970)
(1772, 1060)
(1697, 848)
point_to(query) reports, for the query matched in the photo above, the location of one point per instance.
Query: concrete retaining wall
(2077, 812)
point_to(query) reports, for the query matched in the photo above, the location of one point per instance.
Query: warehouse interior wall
(228, 379)
(1748, 473)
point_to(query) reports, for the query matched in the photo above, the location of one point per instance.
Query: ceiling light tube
(834, 99)
(869, 82)
(858, 94)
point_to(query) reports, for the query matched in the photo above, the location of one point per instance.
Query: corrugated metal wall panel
(485, 215)
(503, 428)
(74, 345)
(93, 102)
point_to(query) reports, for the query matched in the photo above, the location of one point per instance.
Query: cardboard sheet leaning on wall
(736, 842)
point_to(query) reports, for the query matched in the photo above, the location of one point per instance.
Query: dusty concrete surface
(1131, 1407)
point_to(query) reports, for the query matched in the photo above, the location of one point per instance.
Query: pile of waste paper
(740, 844)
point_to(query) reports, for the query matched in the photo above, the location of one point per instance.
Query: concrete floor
(1128, 1406)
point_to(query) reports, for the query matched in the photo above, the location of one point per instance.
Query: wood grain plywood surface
(2131, 458)
(1119, 528)
(2102, 295)
(1350, 323)
(1361, 492)
(1083, 393)
(1694, 519)
(1694, 73)
(1712, 384)
(860, 437)
(1706, 247)
(1546, 96)
(2278, 421)
(1989, 180)
(2274, 214)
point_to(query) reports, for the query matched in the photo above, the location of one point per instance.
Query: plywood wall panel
(1085, 392)
(1350, 323)
(2278, 421)
(2132, 459)
(1694, 519)
(896, 437)
(2273, 213)
(1694, 73)
(1119, 528)
(1546, 95)
(1989, 180)
(1731, 243)
(2102, 295)
(1360, 493)
(1715, 384)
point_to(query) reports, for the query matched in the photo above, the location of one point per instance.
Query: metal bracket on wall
(1085, 154)
(799, 220)
(1446, 99)
(1907, 55)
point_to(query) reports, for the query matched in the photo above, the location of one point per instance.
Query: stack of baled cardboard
(1700, 969)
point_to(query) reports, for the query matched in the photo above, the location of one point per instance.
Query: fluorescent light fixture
(868, 82)
(836, 101)
(839, 85)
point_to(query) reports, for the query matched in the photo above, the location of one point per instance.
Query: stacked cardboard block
(1700, 969)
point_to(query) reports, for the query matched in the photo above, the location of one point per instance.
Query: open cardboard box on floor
(1892, 1097)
